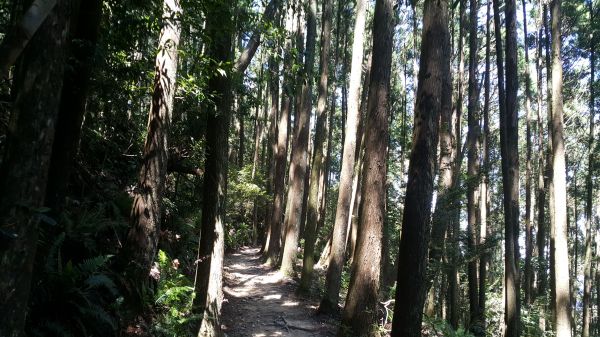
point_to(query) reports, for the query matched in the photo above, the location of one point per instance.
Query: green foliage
(439, 327)
(173, 300)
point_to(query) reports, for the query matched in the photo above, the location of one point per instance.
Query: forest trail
(259, 303)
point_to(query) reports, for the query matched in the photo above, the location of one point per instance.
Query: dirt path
(258, 303)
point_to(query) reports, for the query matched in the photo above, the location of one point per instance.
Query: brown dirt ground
(260, 303)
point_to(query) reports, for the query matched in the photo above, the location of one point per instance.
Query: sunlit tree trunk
(298, 164)
(142, 240)
(561, 249)
(329, 302)
(319, 152)
(433, 98)
(23, 173)
(360, 312)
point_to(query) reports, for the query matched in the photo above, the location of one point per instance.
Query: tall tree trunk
(432, 100)
(82, 49)
(528, 273)
(510, 174)
(319, 153)
(473, 172)
(298, 164)
(329, 302)
(589, 198)
(24, 169)
(561, 249)
(360, 311)
(209, 293)
(485, 176)
(142, 240)
(274, 243)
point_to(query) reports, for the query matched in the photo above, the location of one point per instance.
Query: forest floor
(261, 303)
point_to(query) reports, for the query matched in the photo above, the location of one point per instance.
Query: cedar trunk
(433, 97)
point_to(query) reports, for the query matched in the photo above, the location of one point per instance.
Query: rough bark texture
(360, 313)
(473, 173)
(589, 236)
(274, 245)
(561, 248)
(319, 153)
(23, 174)
(510, 176)
(298, 164)
(433, 96)
(209, 295)
(82, 47)
(329, 301)
(142, 240)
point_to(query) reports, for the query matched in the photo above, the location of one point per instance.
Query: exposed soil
(260, 303)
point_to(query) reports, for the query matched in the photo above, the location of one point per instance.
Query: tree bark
(473, 173)
(298, 164)
(76, 80)
(510, 174)
(561, 249)
(319, 153)
(329, 302)
(209, 293)
(589, 236)
(24, 169)
(142, 240)
(432, 99)
(13, 45)
(274, 245)
(360, 312)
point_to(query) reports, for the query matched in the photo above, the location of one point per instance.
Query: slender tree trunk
(209, 293)
(589, 236)
(360, 311)
(274, 243)
(329, 302)
(561, 249)
(76, 80)
(432, 99)
(528, 273)
(23, 173)
(319, 156)
(510, 174)
(298, 165)
(142, 240)
(473, 172)
(485, 154)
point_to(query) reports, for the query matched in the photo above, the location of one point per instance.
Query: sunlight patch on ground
(272, 297)
(273, 334)
(291, 303)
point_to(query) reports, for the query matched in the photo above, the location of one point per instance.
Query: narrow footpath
(259, 303)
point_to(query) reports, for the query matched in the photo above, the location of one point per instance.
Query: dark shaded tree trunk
(360, 312)
(24, 170)
(329, 302)
(561, 248)
(473, 173)
(142, 240)
(82, 49)
(319, 153)
(298, 164)
(209, 293)
(432, 99)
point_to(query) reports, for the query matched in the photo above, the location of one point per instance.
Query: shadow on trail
(259, 303)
